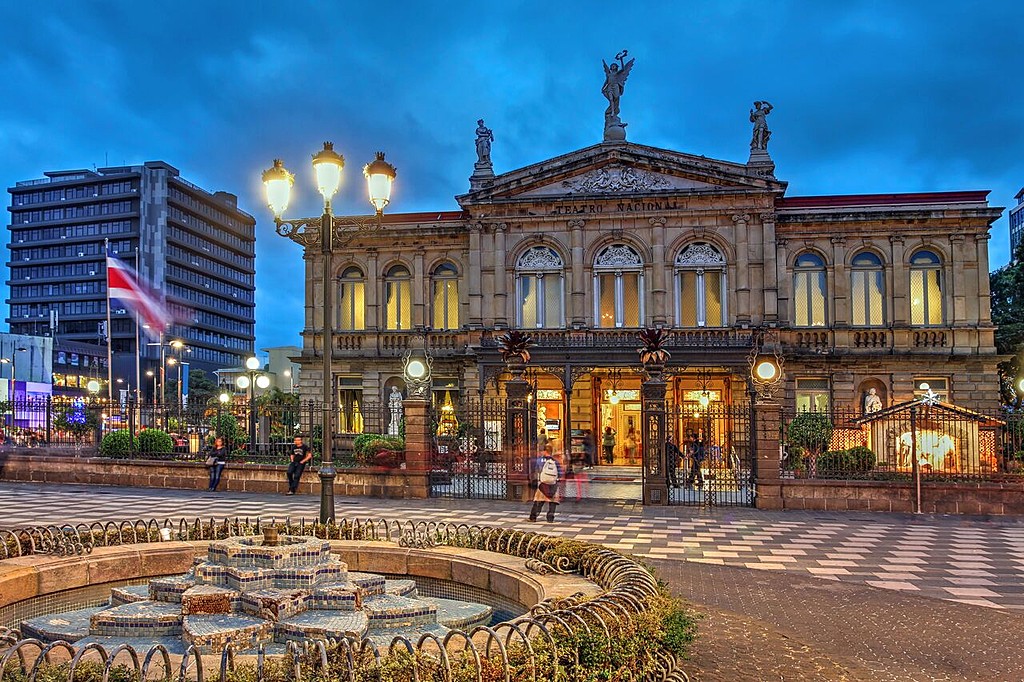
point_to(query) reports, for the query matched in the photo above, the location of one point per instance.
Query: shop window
(926, 290)
(618, 285)
(350, 404)
(867, 290)
(446, 297)
(700, 287)
(352, 301)
(809, 291)
(812, 394)
(539, 289)
(398, 298)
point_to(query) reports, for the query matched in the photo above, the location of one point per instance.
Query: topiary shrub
(155, 442)
(117, 444)
(812, 432)
(373, 448)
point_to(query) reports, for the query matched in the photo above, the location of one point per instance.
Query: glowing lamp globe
(766, 370)
(416, 369)
(262, 381)
(242, 382)
(252, 363)
(327, 165)
(277, 184)
(380, 175)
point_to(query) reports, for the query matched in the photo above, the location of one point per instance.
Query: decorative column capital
(982, 237)
(957, 237)
(499, 227)
(781, 242)
(839, 241)
(897, 239)
(576, 223)
(767, 217)
(741, 218)
(658, 221)
(475, 227)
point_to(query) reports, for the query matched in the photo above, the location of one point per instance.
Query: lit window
(618, 285)
(812, 394)
(539, 289)
(937, 385)
(926, 290)
(700, 287)
(867, 295)
(351, 301)
(446, 297)
(398, 298)
(809, 291)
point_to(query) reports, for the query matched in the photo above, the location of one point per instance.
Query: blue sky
(868, 96)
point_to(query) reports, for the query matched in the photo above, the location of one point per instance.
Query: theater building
(852, 292)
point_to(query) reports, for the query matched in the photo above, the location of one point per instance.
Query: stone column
(473, 278)
(500, 277)
(742, 268)
(659, 316)
(578, 295)
(418, 446)
(517, 434)
(372, 290)
(784, 278)
(900, 283)
(765, 425)
(771, 272)
(956, 275)
(420, 290)
(984, 292)
(653, 436)
(840, 288)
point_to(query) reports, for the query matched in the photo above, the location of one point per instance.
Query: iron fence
(941, 442)
(469, 441)
(716, 466)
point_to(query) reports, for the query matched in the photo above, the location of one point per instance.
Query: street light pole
(327, 166)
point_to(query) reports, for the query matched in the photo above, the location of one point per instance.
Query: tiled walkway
(975, 561)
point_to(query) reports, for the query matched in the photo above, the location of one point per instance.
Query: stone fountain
(260, 591)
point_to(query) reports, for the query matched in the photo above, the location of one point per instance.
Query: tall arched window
(351, 300)
(539, 289)
(618, 287)
(926, 289)
(867, 290)
(809, 291)
(446, 297)
(700, 287)
(398, 298)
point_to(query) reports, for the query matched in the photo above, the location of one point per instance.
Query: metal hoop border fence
(627, 585)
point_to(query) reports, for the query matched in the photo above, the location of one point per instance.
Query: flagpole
(110, 345)
(138, 346)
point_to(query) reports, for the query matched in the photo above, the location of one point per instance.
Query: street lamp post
(252, 380)
(151, 373)
(222, 400)
(327, 166)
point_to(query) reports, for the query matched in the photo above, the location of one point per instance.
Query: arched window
(809, 291)
(398, 298)
(867, 290)
(446, 297)
(618, 287)
(539, 289)
(926, 289)
(351, 300)
(700, 287)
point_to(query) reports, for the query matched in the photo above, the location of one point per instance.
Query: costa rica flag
(123, 283)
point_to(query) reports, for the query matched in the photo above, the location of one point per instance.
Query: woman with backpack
(549, 475)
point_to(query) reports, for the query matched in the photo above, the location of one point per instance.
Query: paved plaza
(807, 595)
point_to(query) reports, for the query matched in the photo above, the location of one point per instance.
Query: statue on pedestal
(395, 406)
(614, 85)
(484, 138)
(872, 403)
(759, 140)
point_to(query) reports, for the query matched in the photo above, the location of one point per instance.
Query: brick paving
(787, 595)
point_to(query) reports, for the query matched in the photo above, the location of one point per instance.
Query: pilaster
(578, 295)
(741, 221)
(659, 306)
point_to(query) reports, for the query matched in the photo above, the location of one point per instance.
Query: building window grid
(926, 304)
(813, 394)
(398, 299)
(810, 292)
(446, 297)
(867, 291)
(540, 289)
(352, 301)
(618, 287)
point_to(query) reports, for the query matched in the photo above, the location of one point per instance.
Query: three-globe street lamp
(252, 380)
(329, 231)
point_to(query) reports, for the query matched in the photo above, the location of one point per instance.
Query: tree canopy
(1007, 288)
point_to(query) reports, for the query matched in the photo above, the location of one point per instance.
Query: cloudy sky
(869, 96)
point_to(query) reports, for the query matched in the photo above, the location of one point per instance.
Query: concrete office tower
(194, 247)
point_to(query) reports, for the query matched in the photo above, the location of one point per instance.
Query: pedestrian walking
(548, 478)
(589, 449)
(630, 445)
(216, 460)
(608, 444)
(300, 457)
(672, 460)
(696, 450)
(575, 473)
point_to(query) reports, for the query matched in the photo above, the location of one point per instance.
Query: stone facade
(854, 292)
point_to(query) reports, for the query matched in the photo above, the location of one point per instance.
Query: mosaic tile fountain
(253, 591)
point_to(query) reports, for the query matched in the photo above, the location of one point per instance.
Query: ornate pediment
(615, 179)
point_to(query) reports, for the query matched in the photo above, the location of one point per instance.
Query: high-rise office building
(195, 248)
(1016, 223)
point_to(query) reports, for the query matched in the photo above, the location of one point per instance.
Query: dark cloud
(869, 96)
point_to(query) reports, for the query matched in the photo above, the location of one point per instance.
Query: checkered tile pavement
(966, 560)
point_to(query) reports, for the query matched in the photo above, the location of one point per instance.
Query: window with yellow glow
(809, 291)
(867, 291)
(618, 283)
(351, 301)
(398, 299)
(700, 287)
(446, 297)
(926, 290)
(539, 289)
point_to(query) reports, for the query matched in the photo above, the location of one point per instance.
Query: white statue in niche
(395, 406)
(872, 403)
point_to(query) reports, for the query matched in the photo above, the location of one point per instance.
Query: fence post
(418, 447)
(517, 409)
(653, 437)
(49, 418)
(766, 430)
(915, 467)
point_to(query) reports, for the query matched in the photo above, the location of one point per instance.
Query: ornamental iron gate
(717, 466)
(467, 459)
